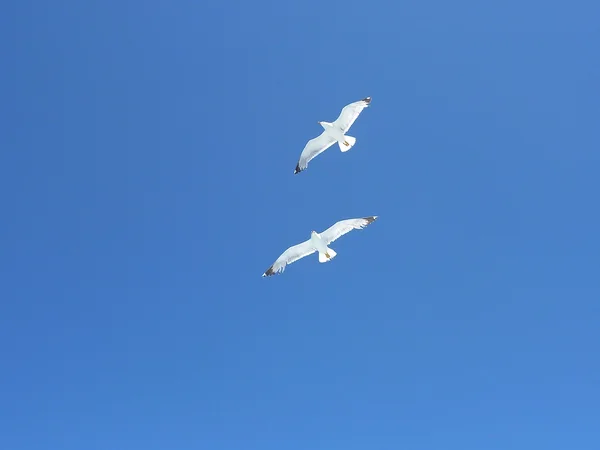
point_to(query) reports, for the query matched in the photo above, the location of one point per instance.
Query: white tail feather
(347, 140)
(323, 258)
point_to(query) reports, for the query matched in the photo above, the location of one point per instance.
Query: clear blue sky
(147, 158)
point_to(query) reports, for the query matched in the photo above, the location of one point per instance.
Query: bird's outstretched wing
(289, 256)
(345, 226)
(350, 113)
(312, 149)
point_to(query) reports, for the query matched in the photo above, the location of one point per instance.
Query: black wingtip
(367, 100)
(297, 169)
(370, 219)
(269, 272)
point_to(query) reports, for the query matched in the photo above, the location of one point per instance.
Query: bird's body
(318, 242)
(333, 132)
(320, 246)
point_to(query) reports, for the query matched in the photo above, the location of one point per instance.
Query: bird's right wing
(342, 227)
(289, 256)
(312, 149)
(350, 113)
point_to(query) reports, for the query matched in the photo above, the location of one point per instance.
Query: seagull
(334, 132)
(318, 243)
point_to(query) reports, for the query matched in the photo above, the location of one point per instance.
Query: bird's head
(313, 233)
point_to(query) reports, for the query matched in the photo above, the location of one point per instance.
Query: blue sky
(147, 182)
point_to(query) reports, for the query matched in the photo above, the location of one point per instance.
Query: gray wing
(312, 149)
(289, 256)
(345, 226)
(350, 113)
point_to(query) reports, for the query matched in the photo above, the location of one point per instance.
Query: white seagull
(318, 243)
(334, 132)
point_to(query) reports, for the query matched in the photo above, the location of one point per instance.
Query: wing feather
(350, 113)
(312, 149)
(292, 254)
(342, 227)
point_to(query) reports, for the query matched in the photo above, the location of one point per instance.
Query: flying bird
(333, 132)
(318, 243)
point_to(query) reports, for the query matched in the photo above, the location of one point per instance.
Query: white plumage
(333, 132)
(318, 243)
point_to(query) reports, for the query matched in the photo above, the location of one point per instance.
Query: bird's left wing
(292, 254)
(350, 113)
(345, 226)
(312, 149)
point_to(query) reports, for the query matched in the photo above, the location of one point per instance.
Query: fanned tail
(323, 256)
(347, 140)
